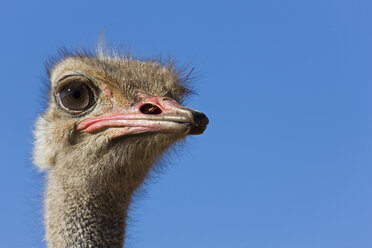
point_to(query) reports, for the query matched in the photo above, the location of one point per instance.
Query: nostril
(150, 109)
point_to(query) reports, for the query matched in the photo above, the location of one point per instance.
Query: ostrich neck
(80, 216)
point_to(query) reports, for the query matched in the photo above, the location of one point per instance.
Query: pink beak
(151, 114)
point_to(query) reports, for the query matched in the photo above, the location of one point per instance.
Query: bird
(109, 119)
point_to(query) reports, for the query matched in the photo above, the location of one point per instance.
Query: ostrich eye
(76, 96)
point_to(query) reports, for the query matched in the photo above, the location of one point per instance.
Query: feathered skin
(91, 175)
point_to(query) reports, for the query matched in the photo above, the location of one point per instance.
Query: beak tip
(201, 121)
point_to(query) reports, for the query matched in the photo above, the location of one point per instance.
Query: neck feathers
(85, 217)
(88, 196)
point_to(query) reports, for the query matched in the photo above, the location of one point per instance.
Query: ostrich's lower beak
(151, 114)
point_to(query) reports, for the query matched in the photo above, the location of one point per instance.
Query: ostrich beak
(150, 114)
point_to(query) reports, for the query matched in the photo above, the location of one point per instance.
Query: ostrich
(109, 119)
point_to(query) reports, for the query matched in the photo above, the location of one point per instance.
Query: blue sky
(286, 160)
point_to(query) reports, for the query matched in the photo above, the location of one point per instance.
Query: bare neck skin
(87, 215)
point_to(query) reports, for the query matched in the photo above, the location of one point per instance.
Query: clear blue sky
(286, 161)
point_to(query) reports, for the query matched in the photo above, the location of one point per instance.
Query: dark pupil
(76, 96)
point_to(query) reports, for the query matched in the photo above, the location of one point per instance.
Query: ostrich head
(109, 118)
